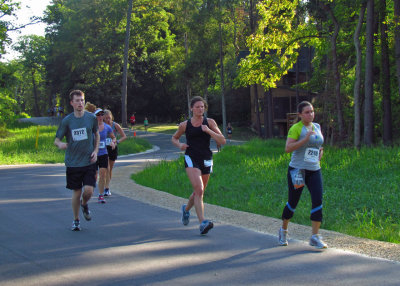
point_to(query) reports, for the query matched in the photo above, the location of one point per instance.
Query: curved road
(133, 243)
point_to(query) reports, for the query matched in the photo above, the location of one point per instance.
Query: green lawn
(361, 188)
(30, 144)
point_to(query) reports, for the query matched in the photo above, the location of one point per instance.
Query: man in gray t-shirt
(81, 131)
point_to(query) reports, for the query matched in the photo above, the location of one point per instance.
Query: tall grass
(361, 188)
(19, 146)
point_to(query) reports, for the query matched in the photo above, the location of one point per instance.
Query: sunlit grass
(19, 146)
(158, 128)
(361, 188)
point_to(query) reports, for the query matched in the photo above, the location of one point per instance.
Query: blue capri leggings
(313, 181)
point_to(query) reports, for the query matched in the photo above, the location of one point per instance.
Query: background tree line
(181, 48)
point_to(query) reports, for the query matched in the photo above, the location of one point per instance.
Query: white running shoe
(282, 238)
(317, 242)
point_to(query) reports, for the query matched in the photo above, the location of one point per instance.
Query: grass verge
(361, 188)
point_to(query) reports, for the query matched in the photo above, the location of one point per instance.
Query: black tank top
(198, 141)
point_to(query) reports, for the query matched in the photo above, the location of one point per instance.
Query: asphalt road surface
(132, 243)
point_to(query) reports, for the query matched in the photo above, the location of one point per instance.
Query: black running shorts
(77, 177)
(205, 166)
(112, 154)
(102, 161)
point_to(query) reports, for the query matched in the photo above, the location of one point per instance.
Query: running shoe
(205, 226)
(86, 211)
(282, 239)
(185, 215)
(76, 225)
(101, 199)
(107, 192)
(317, 242)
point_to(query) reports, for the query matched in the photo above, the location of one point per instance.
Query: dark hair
(196, 99)
(302, 105)
(76, 92)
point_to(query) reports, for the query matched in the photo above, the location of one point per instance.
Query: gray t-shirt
(80, 138)
(306, 157)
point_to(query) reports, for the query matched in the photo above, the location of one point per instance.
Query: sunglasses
(99, 114)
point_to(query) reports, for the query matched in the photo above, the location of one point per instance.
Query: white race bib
(102, 144)
(311, 155)
(208, 163)
(79, 134)
(108, 141)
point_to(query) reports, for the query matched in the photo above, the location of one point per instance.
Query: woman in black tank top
(198, 157)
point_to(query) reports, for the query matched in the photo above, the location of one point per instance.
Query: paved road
(132, 243)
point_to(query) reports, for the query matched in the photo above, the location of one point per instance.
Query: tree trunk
(221, 59)
(268, 118)
(256, 106)
(397, 40)
(124, 89)
(385, 77)
(252, 18)
(188, 90)
(35, 95)
(206, 84)
(357, 84)
(369, 77)
(206, 87)
(336, 75)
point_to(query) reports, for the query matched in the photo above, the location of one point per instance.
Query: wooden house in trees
(274, 111)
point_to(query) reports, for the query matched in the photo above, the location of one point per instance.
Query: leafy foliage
(275, 44)
(7, 8)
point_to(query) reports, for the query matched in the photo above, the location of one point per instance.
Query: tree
(91, 59)
(8, 82)
(125, 71)
(7, 8)
(397, 41)
(369, 76)
(385, 76)
(34, 51)
(358, 75)
(335, 67)
(274, 45)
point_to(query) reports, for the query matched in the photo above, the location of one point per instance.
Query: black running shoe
(76, 225)
(86, 212)
(205, 226)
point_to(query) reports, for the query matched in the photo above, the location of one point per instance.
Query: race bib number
(102, 144)
(311, 155)
(208, 163)
(108, 141)
(79, 134)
